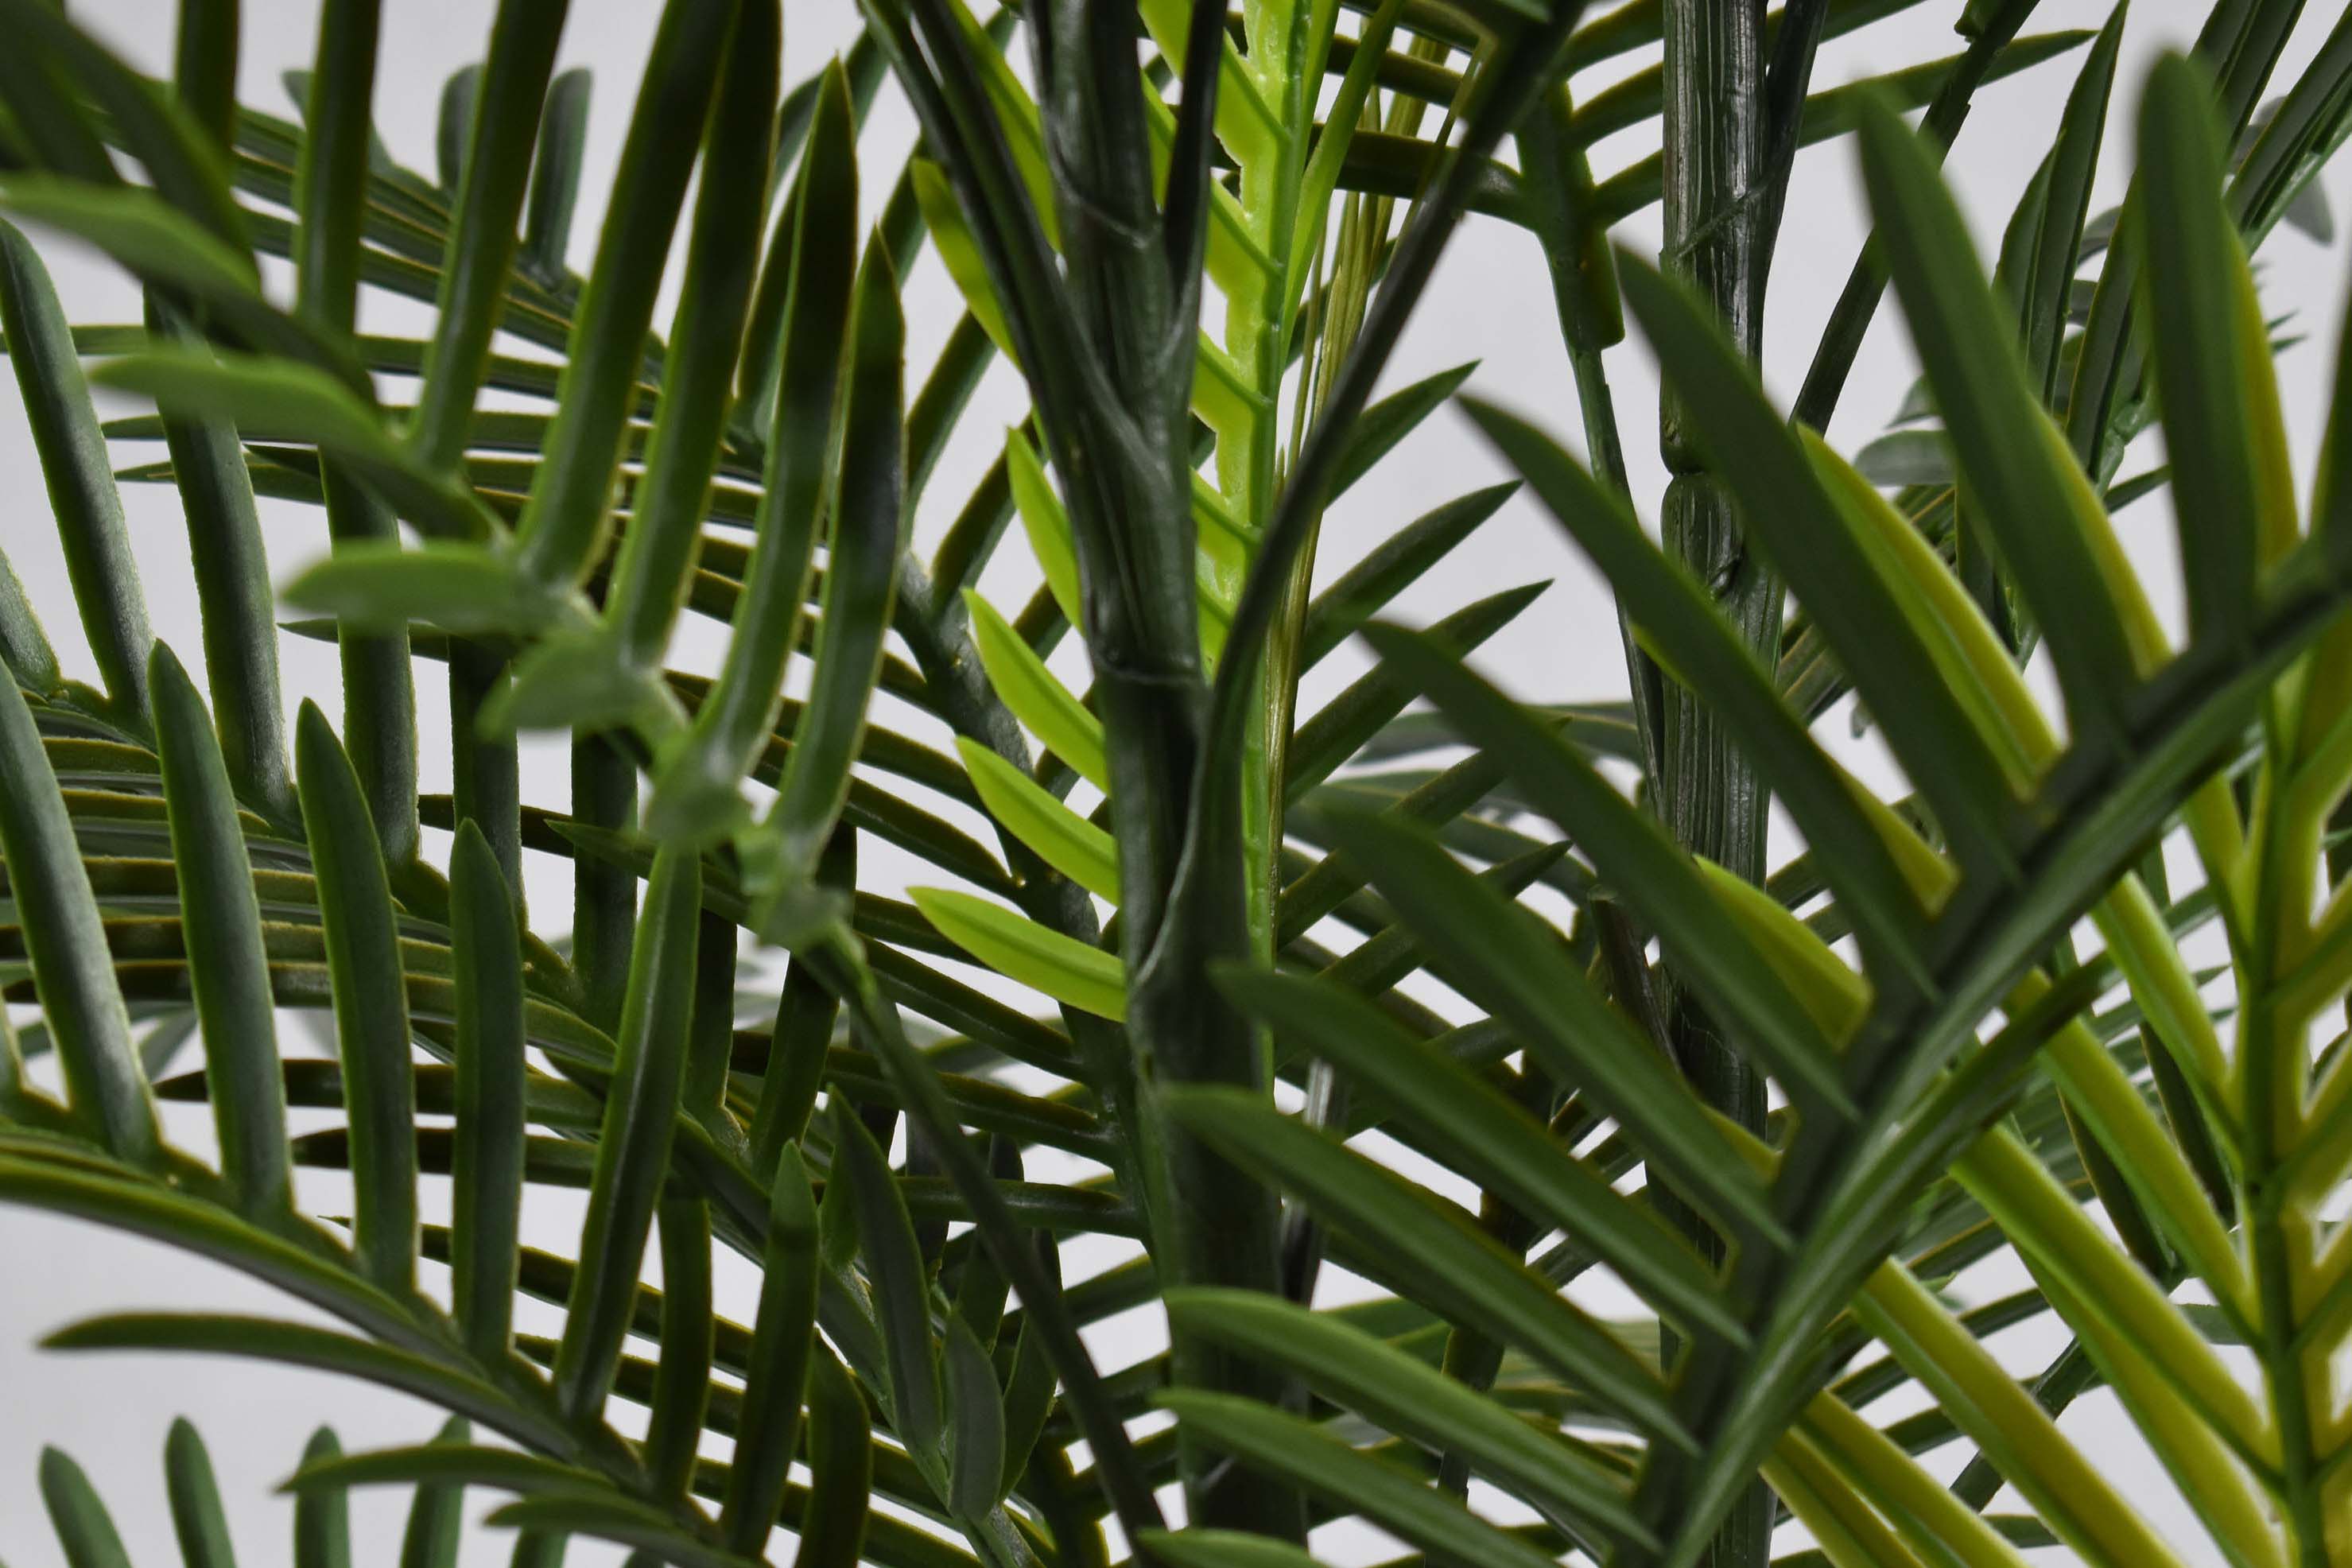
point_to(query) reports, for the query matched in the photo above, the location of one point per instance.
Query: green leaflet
(193, 1497)
(220, 921)
(1045, 523)
(506, 111)
(1485, 1135)
(632, 1149)
(1063, 968)
(72, 972)
(860, 583)
(84, 1527)
(372, 1034)
(833, 1521)
(695, 788)
(566, 520)
(1331, 1469)
(901, 1292)
(777, 1381)
(1453, 1266)
(1062, 838)
(1035, 697)
(487, 1168)
(2234, 492)
(281, 400)
(435, 1516)
(976, 1425)
(81, 490)
(1412, 1398)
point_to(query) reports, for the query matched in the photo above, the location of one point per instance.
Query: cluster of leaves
(1953, 1077)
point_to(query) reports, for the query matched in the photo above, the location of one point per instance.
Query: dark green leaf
(901, 1290)
(1285, 1445)
(563, 527)
(284, 400)
(2024, 484)
(323, 1520)
(1406, 1395)
(66, 943)
(481, 243)
(220, 922)
(633, 1148)
(2232, 493)
(776, 1383)
(1482, 1133)
(807, 297)
(304, 1344)
(1792, 517)
(722, 258)
(861, 575)
(555, 174)
(486, 1165)
(1695, 641)
(1634, 854)
(832, 1518)
(82, 494)
(1456, 1268)
(436, 1515)
(1381, 426)
(975, 1434)
(372, 1035)
(193, 1496)
(1394, 565)
(84, 1528)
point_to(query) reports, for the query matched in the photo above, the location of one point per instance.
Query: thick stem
(1708, 795)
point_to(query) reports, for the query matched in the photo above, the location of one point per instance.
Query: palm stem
(1707, 793)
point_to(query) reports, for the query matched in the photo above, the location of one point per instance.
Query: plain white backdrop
(1489, 302)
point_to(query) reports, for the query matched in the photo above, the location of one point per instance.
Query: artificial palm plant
(1783, 1100)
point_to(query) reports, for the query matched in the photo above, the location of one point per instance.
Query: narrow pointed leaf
(2232, 492)
(565, 522)
(901, 1286)
(198, 1522)
(1789, 516)
(503, 123)
(633, 1148)
(1635, 857)
(722, 262)
(861, 575)
(1461, 1270)
(2028, 491)
(436, 1515)
(372, 1035)
(813, 315)
(1285, 1446)
(220, 922)
(1404, 1393)
(80, 482)
(776, 1384)
(1702, 649)
(1061, 837)
(1485, 1136)
(323, 1520)
(1042, 704)
(84, 1528)
(1017, 946)
(487, 1165)
(72, 972)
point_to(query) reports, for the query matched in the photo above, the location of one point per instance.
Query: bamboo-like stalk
(1708, 794)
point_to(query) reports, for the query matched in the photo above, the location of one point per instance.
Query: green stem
(1708, 794)
(2279, 1227)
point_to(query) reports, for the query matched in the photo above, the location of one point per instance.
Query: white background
(1489, 301)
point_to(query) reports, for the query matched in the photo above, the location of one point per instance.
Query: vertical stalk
(1708, 795)
(2281, 1223)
